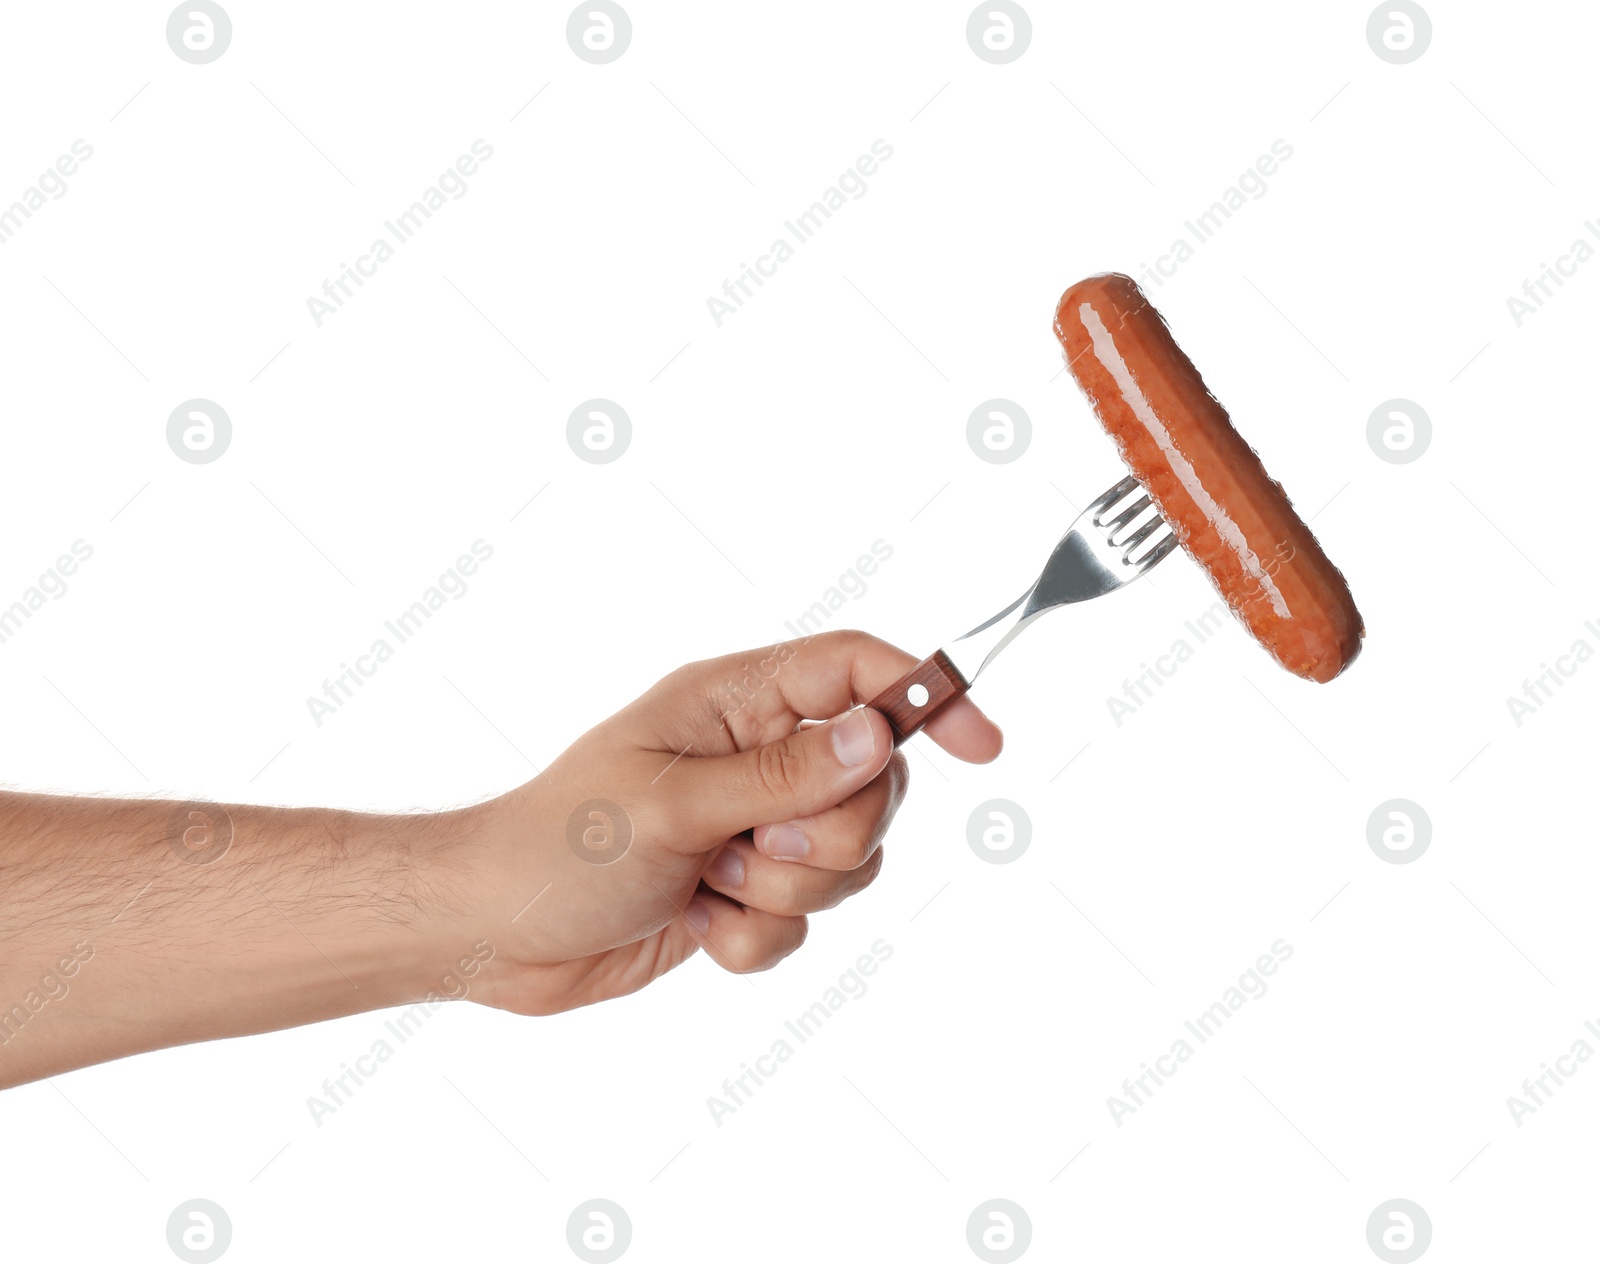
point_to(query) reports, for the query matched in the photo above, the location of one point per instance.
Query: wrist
(417, 943)
(470, 908)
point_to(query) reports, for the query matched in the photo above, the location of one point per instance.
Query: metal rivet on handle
(917, 695)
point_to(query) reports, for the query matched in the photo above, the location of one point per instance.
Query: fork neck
(972, 653)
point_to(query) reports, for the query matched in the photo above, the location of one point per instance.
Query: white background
(767, 455)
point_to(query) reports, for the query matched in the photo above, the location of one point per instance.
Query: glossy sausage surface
(1207, 481)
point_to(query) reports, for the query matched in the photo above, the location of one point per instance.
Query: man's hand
(712, 813)
(702, 816)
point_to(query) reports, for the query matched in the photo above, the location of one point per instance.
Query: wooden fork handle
(935, 681)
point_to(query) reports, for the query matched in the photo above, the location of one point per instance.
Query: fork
(1095, 557)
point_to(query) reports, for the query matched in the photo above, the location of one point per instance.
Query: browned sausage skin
(1208, 482)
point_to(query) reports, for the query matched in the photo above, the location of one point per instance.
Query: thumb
(809, 771)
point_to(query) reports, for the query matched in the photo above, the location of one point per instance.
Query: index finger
(763, 695)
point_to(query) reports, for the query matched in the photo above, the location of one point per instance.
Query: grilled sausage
(1207, 482)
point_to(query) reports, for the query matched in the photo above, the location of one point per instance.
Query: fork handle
(934, 680)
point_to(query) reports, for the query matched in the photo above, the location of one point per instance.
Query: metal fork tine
(1156, 554)
(1141, 535)
(1124, 518)
(1110, 497)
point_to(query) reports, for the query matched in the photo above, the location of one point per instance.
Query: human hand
(721, 819)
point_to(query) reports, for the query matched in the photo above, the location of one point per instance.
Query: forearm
(132, 925)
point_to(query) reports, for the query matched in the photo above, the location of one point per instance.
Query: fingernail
(727, 870)
(698, 914)
(785, 842)
(853, 742)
